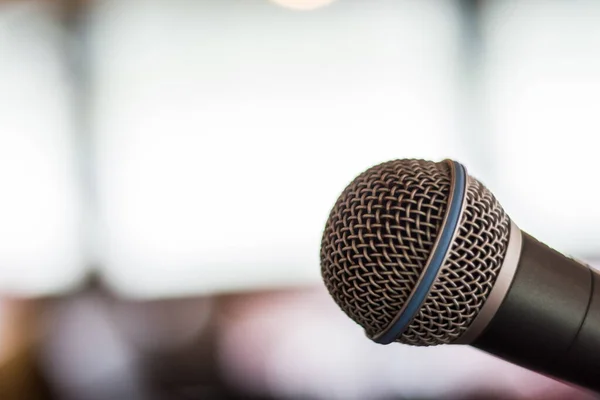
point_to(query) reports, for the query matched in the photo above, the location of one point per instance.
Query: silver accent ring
(498, 292)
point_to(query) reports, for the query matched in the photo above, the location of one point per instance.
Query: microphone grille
(378, 239)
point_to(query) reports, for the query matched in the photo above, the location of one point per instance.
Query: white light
(304, 5)
(217, 177)
(544, 94)
(39, 208)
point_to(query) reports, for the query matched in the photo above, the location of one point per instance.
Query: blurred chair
(20, 375)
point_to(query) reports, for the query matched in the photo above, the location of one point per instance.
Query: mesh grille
(467, 276)
(379, 235)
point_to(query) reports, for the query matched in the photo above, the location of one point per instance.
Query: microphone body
(421, 253)
(549, 320)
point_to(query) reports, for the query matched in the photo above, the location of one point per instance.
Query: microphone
(421, 253)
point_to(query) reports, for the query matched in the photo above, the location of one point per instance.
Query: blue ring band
(436, 261)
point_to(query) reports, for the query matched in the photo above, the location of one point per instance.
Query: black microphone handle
(549, 320)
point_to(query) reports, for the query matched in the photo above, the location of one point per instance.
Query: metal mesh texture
(468, 275)
(380, 234)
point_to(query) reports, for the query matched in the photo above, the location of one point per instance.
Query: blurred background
(167, 167)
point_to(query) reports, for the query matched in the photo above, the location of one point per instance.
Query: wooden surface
(19, 375)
